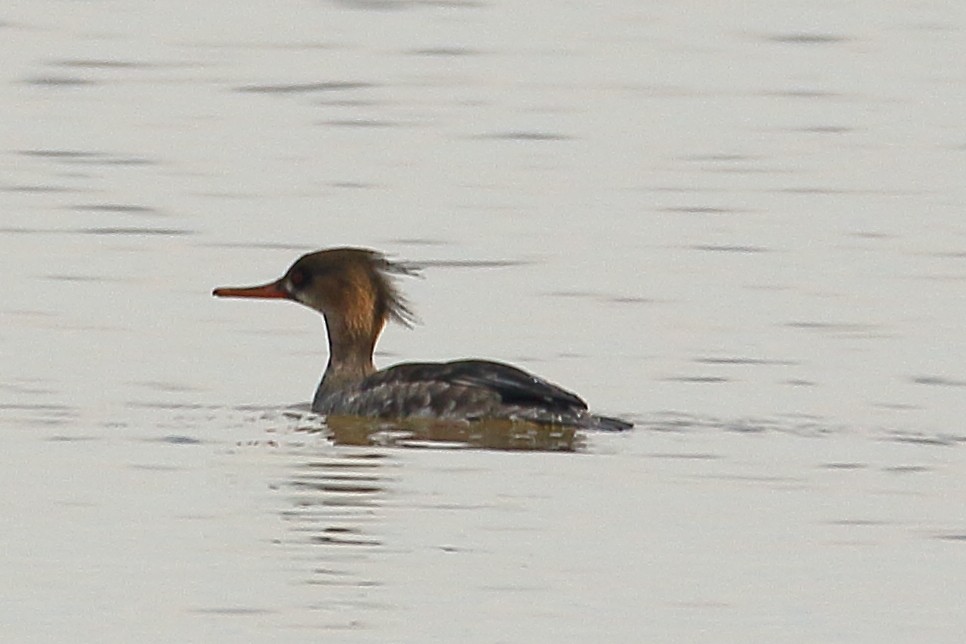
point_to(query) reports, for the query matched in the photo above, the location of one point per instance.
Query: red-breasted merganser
(354, 290)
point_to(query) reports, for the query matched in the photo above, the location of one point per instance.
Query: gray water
(740, 226)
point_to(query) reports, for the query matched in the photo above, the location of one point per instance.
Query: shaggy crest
(385, 270)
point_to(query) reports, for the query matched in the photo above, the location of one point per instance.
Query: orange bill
(270, 290)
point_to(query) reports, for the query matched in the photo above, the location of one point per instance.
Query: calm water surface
(741, 229)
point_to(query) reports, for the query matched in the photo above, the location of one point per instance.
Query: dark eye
(298, 278)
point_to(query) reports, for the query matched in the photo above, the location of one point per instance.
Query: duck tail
(609, 424)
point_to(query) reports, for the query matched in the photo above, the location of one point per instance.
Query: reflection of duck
(495, 434)
(353, 290)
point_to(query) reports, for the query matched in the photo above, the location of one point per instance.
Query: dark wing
(513, 386)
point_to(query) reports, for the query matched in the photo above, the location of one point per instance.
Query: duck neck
(350, 354)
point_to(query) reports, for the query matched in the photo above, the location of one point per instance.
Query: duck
(356, 292)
